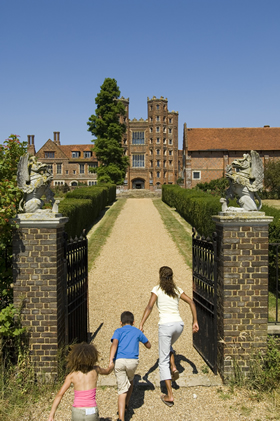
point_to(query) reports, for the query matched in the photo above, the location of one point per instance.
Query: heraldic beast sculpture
(33, 178)
(244, 182)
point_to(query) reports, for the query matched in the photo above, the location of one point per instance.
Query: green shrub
(107, 191)
(61, 190)
(13, 337)
(83, 206)
(111, 190)
(10, 195)
(81, 214)
(274, 237)
(272, 179)
(196, 207)
(97, 195)
(264, 374)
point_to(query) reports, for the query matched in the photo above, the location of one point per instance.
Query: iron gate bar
(77, 290)
(6, 260)
(205, 297)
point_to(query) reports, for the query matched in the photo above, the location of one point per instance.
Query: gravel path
(121, 279)
(125, 273)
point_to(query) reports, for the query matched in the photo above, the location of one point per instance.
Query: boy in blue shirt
(124, 354)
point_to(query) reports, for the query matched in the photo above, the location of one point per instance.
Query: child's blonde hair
(82, 357)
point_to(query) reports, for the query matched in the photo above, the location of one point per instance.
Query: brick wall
(39, 281)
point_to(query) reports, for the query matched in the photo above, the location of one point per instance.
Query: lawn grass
(99, 236)
(272, 307)
(273, 203)
(180, 232)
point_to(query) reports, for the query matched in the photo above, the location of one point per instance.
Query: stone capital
(242, 218)
(41, 219)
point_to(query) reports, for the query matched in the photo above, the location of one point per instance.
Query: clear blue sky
(217, 62)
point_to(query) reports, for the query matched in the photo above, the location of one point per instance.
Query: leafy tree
(107, 129)
(10, 195)
(272, 178)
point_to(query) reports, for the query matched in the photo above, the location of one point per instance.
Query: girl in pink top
(82, 361)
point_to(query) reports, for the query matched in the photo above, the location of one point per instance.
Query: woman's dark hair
(82, 357)
(166, 281)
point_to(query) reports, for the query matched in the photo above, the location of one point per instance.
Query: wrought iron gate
(76, 254)
(205, 297)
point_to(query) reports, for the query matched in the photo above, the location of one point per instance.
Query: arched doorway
(138, 183)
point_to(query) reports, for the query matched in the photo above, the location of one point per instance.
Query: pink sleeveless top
(84, 398)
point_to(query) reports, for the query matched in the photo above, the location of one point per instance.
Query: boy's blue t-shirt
(129, 338)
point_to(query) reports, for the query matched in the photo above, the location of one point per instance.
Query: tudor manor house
(152, 148)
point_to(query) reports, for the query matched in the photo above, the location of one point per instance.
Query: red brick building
(69, 164)
(152, 146)
(207, 152)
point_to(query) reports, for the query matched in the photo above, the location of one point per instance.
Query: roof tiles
(234, 139)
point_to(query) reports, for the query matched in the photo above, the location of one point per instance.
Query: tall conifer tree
(105, 125)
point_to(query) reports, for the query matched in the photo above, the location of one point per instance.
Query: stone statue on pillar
(34, 179)
(245, 181)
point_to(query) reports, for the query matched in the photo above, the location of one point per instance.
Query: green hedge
(80, 214)
(274, 237)
(83, 206)
(196, 207)
(108, 192)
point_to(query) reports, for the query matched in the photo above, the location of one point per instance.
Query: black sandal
(168, 403)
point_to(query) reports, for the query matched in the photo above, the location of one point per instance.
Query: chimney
(56, 136)
(31, 144)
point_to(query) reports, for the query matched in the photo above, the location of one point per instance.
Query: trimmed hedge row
(189, 203)
(108, 193)
(274, 237)
(196, 207)
(82, 206)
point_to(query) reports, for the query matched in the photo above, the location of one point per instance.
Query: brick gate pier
(39, 280)
(242, 287)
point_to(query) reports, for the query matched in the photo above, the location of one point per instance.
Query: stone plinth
(242, 301)
(39, 280)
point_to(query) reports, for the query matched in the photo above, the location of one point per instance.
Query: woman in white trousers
(167, 295)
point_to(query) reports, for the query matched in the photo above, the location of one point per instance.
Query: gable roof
(233, 139)
(49, 146)
(65, 151)
(68, 149)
